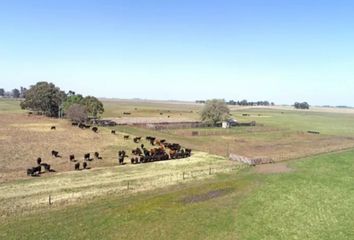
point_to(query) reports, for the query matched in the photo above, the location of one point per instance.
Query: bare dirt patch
(273, 168)
(206, 196)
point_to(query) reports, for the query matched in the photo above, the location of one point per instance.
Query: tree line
(243, 103)
(47, 99)
(14, 93)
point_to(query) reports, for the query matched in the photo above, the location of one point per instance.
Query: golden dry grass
(70, 187)
(25, 138)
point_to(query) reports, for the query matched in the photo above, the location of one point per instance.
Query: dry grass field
(25, 138)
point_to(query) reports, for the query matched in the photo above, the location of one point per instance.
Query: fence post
(50, 200)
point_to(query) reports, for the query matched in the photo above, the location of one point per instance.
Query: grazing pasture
(312, 201)
(25, 138)
(205, 196)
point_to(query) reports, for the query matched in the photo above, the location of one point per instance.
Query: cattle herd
(161, 150)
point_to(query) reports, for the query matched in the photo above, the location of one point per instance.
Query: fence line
(144, 184)
(123, 187)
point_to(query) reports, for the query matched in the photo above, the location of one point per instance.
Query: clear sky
(281, 51)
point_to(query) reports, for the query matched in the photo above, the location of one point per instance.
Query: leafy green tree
(215, 111)
(94, 107)
(72, 99)
(2, 92)
(44, 97)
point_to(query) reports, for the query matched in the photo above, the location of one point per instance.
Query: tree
(15, 93)
(44, 97)
(2, 92)
(93, 106)
(72, 99)
(215, 111)
(77, 113)
(303, 105)
(23, 91)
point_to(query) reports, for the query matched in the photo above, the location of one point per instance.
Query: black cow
(34, 172)
(77, 166)
(137, 151)
(55, 154)
(95, 129)
(74, 124)
(151, 140)
(84, 165)
(113, 131)
(137, 139)
(82, 126)
(87, 156)
(97, 155)
(134, 160)
(126, 137)
(121, 156)
(72, 158)
(53, 128)
(188, 152)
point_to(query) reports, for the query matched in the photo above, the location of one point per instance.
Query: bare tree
(77, 113)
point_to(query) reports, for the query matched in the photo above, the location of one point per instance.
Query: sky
(280, 51)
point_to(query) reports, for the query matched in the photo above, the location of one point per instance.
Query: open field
(277, 136)
(152, 109)
(205, 196)
(313, 201)
(24, 138)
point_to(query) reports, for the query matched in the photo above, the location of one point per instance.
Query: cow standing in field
(121, 156)
(53, 128)
(137, 152)
(55, 154)
(97, 155)
(151, 140)
(113, 132)
(126, 137)
(77, 166)
(72, 158)
(87, 157)
(95, 129)
(137, 139)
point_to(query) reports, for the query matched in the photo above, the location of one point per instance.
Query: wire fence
(122, 187)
